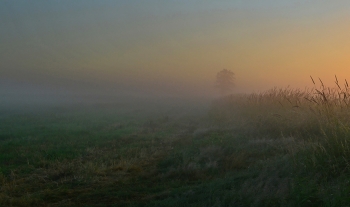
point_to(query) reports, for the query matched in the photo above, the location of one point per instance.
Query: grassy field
(283, 147)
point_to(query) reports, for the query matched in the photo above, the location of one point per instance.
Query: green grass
(249, 150)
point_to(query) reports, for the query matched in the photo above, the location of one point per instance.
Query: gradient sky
(174, 44)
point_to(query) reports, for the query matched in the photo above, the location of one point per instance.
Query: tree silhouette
(225, 81)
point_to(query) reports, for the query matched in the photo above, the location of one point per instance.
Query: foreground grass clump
(286, 110)
(318, 117)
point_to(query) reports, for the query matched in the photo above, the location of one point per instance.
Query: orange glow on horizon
(264, 47)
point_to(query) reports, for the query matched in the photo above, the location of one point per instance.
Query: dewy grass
(282, 147)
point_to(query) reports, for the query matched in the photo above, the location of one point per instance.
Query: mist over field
(24, 97)
(174, 103)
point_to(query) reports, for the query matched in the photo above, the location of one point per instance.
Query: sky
(171, 47)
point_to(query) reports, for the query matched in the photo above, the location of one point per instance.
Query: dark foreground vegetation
(283, 147)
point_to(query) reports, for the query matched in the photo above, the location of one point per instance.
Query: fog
(86, 52)
(18, 97)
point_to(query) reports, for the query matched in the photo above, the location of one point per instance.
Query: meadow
(281, 147)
